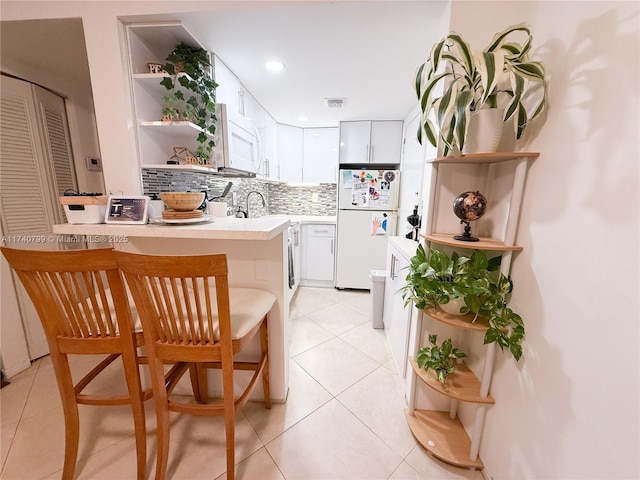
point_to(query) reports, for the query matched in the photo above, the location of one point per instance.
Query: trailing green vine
(191, 94)
(439, 358)
(433, 280)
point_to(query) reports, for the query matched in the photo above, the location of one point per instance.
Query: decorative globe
(469, 206)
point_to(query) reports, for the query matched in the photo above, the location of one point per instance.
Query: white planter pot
(484, 131)
(453, 307)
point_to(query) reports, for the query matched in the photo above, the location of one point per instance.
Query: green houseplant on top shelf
(436, 279)
(191, 94)
(500, 76)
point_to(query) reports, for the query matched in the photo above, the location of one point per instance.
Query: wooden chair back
(185, 303)
(77, 294)
(81, 300)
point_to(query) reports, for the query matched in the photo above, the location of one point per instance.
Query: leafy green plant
(440, 358)
(473, 80)
(435, 279)
(191, 93)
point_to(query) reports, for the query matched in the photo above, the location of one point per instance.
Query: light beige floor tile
(307, 301)
(335, 295)
(337, 318)
(378, 401)
(430, 467)
(405, 472)
(305, 334)
(7, 432)
(38, 444)
(14, 396)
(390, 365)
(369, 341)
(335, 364)
(197, 448)
(305, 396)
(118, 461)
(332, 444)
(37, 449)
(358, 300)
(258, 466)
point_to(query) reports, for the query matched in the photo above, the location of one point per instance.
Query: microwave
(237, 144)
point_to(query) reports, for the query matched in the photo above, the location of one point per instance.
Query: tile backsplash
(281, 197)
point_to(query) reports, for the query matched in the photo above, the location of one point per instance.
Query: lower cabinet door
(318, 255)
(320, 258)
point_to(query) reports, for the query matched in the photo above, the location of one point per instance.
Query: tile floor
(343, 418)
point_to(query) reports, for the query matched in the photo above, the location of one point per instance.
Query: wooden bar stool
(84, 309)
(190, 314)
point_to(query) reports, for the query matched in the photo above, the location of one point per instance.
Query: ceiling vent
(335, 102)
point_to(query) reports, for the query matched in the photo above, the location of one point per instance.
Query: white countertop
(221, 228)
(317, 219)
(406, 247)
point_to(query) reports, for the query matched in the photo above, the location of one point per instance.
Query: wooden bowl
(182, 201)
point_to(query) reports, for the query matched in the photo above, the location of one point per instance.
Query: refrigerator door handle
(332, 246)
(366, 159)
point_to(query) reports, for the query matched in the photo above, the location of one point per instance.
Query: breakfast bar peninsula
(256, 250)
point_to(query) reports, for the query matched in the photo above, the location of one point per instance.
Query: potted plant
(500, 76)
(440, 358)
(438, 278)
(191, 94)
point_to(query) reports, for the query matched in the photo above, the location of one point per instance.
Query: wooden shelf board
(459, 321)
(179, 126)
(485, 157)
(193, 168)
(461, 385)
(484, 243)
(443, 437)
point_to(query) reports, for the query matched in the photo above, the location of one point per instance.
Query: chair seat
(248, 307)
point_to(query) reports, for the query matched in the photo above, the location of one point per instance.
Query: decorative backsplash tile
(282, 199)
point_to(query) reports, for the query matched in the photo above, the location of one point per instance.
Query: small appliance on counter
(84, 208)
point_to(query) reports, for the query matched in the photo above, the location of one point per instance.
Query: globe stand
(466, 235)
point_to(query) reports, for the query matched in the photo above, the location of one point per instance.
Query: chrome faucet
(264, 202)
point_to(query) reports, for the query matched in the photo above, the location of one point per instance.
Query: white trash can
(377, 277)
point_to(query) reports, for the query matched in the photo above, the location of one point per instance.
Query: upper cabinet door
(290, 153)
(355, 142)
(371, 142)
(386, 142)
(229, 90)
(320, 163)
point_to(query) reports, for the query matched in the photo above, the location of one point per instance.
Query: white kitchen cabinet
(290, 153)
(371, 142)
(229, 91)
(307, 154)
(396, 317)
(320, 155)
(269, 144)
(318, 253)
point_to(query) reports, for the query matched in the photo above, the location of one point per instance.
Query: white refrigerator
(367, 214)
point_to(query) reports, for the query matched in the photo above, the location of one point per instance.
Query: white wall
(569, 408)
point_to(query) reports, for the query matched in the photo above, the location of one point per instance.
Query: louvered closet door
(34, 149)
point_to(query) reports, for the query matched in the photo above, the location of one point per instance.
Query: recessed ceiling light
(302, 118)
(274, 66)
